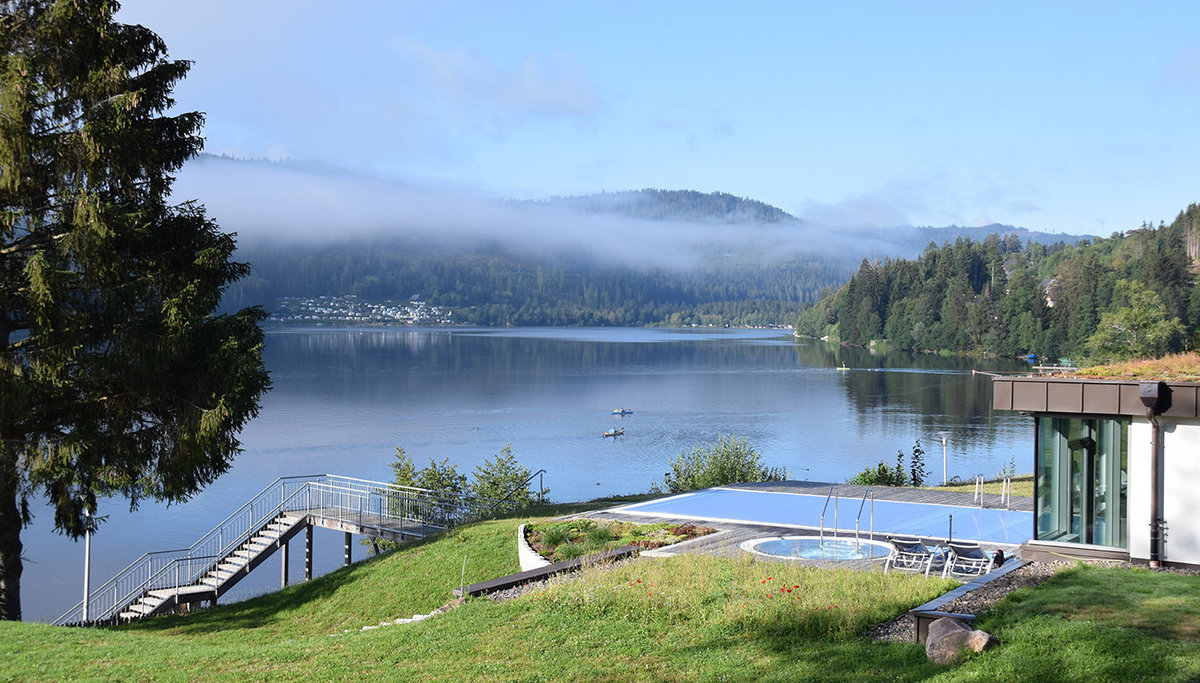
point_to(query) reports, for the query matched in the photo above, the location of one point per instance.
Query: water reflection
(343, 400)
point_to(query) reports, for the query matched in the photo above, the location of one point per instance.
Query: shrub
(887, 475)
(571, 550)
(503, 476)
(600, 535)
(728, 461)
(556, 534)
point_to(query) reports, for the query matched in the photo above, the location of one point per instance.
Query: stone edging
(926, 614)
(543, 573)
(529, 558)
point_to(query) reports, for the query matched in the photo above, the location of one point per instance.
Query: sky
(1069, 117)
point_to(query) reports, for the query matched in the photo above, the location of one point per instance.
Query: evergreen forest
(496, 287)
(768, 266)
(1133, 294)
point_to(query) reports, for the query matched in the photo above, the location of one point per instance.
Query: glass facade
(1081, 476)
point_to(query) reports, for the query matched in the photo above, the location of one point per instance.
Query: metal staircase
(162, 581)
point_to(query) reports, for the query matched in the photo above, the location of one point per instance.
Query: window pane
(1081, 468)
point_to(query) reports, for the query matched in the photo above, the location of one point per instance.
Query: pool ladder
(833, 492)
(1005, 491)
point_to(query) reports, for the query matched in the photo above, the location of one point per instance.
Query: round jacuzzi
(830, 549)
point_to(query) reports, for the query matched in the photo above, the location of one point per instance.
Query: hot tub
(831, 549)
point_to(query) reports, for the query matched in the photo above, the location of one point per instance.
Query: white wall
(1180, 489)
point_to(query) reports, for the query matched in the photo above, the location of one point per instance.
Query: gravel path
(975, 602)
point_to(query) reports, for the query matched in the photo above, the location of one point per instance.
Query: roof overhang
(1079, 396)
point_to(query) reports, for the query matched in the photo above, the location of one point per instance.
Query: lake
(344, 399)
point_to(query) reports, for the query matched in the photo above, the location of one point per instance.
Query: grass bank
(676, 618)
(1022, 485)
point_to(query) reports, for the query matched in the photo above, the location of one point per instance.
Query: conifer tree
(118, 377)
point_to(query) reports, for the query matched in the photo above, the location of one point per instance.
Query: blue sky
(1075, 117)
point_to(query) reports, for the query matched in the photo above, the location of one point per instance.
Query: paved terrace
(730, 535)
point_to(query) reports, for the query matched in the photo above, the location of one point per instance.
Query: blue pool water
(817, 548)
(804, 510)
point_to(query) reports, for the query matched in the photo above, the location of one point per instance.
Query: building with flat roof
(1116, 467)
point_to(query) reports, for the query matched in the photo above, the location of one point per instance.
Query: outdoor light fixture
(943, 436)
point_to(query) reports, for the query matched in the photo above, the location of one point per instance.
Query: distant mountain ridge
(721, 207)
(676, 205)
(639, 257)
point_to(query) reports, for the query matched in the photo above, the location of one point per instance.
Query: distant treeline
(494, 284)
(511, 289)
(1002, 297)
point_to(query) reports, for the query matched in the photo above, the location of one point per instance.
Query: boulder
(949, 638)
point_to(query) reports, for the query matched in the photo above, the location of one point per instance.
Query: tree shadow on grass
(785, 654)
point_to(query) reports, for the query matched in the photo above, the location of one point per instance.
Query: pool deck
(730, 535)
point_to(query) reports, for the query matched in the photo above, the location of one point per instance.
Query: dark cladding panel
(1029, 396)
(1064, 397)
(1131, 400)
(1002, 395)
(1183, 401)
(1079, 396)
(1102, 399)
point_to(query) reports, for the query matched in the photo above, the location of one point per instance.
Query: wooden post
(349, 536)
(308, 552)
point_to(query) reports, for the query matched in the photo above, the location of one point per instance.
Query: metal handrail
(525, 483)
(821, 535)
(859, 516)
(344, 496)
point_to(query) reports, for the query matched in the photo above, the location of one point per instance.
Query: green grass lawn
(675, 618)
(1022, 485)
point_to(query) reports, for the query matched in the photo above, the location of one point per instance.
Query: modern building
(1116, 467)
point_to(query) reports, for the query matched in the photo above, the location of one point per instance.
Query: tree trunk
(10, 540)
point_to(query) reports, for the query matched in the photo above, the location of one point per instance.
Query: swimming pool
(816, 548)
(802, 510)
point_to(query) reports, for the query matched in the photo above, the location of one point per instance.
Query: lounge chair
(908, 554)
(966, 559)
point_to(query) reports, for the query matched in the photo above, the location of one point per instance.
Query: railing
(518, 487)
(368, 504)
(821, 535)
(859, 517)
(1005, 491)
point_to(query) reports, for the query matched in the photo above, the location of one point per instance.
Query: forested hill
(649, 257)
(676, 205)
(1131, 294)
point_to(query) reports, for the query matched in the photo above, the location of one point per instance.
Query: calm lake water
(343, 400)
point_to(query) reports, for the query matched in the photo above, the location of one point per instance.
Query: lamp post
(943, 435)
(87, 562)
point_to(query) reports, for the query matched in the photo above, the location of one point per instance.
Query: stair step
(212, 581)
(141, 608)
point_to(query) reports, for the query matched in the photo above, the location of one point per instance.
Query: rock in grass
(949, 638)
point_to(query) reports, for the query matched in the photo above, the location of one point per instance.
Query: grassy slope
(681, 618)
(1022, 485)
